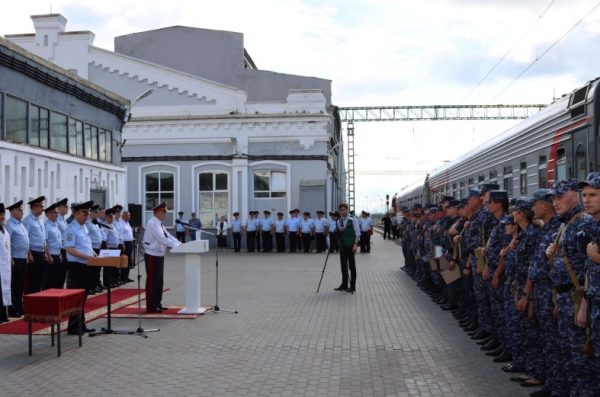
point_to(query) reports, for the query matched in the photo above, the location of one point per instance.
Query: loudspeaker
(136, 214)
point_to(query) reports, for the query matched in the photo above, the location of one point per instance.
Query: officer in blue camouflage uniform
(498, 207)
(476, 236)
(540, 290)
(447, 241)
(508, 256)
(528, 338)
(568, 256)
(589, 316)
(404, 234)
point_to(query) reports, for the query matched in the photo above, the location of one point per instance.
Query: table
(53, 306)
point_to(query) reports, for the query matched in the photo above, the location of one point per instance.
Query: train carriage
(558, 142)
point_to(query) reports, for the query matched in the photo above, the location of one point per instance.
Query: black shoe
(99, 289)
(492, 345)
(505, 357)
(480, 335)
(88, 330)
(495, 353)
(161, 307)
(91, 292)
(519, 379)
(3, 319)
(12, 312)
(511, 369)
(541, 393)
(530, 384)
(341, 288)
(351, 290)
(485, 341)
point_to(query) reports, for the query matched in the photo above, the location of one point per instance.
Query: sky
(382, 53)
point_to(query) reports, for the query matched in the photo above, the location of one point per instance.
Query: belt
(561, 289)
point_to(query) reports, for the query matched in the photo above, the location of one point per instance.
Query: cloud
(378, 52)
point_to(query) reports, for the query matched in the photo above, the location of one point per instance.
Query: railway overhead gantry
(351, 115)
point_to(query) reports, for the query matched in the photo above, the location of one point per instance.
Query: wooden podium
(192, 251)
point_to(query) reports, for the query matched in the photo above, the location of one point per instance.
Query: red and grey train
(560, 141)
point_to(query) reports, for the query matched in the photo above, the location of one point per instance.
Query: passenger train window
(543, 173)
(508, 180)
(523, 179)
(580, 163)
(561, 164)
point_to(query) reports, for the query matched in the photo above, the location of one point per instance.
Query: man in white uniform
(156, 241)
(5, 298)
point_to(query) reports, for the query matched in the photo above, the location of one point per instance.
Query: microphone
(104, 225)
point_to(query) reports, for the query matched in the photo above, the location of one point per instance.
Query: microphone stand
(138, 258)
(215, 308)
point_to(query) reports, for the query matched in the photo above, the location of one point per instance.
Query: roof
(72, 76)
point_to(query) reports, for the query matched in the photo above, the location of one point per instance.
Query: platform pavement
(387, 339)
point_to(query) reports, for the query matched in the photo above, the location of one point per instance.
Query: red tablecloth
(53, 305)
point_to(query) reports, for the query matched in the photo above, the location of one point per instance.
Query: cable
(518, 41)
(545, 52)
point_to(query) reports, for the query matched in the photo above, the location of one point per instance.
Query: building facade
(215, 135)
(59, 134)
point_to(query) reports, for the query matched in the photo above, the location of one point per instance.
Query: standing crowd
(528, 290)
(46, 249)
(297, 233)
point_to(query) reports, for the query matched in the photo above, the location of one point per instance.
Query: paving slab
(387, 339)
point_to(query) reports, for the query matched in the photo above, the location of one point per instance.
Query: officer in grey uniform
(37, 243)
(280, 225)
(94, 284)
(320, 225)
(79, 250)
(236, 232)
(19, 249)
(54, 267)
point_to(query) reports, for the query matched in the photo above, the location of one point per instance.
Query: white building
(216, 135)
(59, 133)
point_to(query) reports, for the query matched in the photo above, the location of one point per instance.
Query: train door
(581, 154)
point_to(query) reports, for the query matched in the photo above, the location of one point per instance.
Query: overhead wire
(518, 41)
(546, 51)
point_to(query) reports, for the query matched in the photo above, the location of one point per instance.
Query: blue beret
(592, 180)
(563, 186)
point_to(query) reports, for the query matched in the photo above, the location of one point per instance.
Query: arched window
(213, 196)
(159, 186)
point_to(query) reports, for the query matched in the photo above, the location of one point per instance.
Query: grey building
(216, 135)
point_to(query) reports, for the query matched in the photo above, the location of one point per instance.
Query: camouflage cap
(563, 186)
(509, 220)
(542, 195)
(523, 204)
(592, 180)
(475, 193)
(486, 187)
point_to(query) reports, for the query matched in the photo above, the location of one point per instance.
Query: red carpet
(131, 311)
(95, 307)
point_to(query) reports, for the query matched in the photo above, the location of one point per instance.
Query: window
(94, 143)
(523, 179)
(58, 132)
(108, 146)
(471, 181)
(159, 187)
(270, 184)
(543, 172)
(561, 164)
(101, 145)
(213, 196)
(34, 125)
(72, 132)
(493, 176)
(16, 120)
(79, 131)
(580, 163)
(481, 178)
(508, 181)
(44, 128)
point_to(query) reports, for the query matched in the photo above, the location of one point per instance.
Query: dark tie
(164, 231)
